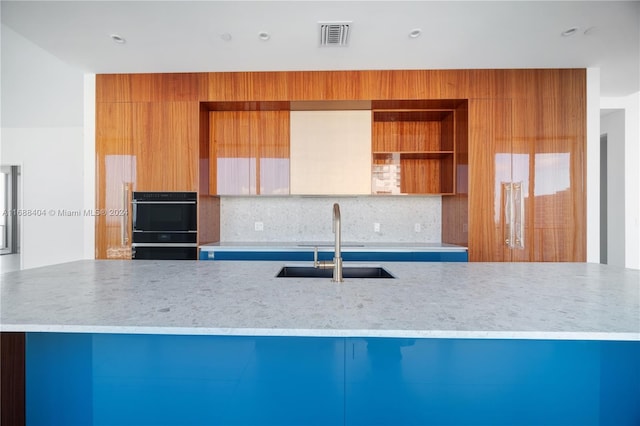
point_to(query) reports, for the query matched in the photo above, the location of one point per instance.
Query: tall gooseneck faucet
(337, 255)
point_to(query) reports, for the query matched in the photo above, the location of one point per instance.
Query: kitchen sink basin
(347, 272)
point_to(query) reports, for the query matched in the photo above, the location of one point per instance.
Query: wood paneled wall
(341, 85)
(555, 96)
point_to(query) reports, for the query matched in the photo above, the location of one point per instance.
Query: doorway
(10, 218)
(612, 187)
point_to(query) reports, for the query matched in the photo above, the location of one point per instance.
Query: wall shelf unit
(414, 147)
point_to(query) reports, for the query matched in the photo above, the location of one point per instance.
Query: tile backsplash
(298, 218)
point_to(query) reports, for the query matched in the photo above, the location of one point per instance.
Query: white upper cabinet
(330, 152)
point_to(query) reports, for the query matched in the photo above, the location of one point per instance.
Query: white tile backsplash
(299, 218)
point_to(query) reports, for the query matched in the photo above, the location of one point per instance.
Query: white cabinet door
(330, 152)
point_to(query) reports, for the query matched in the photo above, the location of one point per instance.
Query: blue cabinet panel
(620, 383)
(497, 382)
(348, 256)
(185, 380)
(58, 379)
(113, 379)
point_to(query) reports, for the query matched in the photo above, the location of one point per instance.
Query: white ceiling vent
(334, 33)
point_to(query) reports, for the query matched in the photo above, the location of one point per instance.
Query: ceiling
(201, 36)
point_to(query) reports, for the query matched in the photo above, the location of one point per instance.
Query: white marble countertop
(432, 300)
(346, 246)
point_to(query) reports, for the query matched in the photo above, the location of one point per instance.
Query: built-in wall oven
(164, 225)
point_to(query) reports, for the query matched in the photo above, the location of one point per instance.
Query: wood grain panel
(559, 192)
(113, 88)
(326, 85)
(525, 132)
(455, 208)
(166, 146)
(203, 146)
(208, 219)
(490, 89)
(270, 134)
(338, 85)
(230, 141)
(416, 104)
(526, 83)
(341, 85)
(170, 87)
(413, 84)
(115, 169)
(390, 136)
(488, 84)
(490, 128)
(12, 379)
(253, 140)
(426, 175)
(249, 86)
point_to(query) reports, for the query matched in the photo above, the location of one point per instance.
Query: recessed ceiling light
(225, 36)
(569, 32)
(415, 33)
(264, 36)
(118, 39)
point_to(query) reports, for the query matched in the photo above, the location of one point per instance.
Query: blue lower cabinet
(112, 379)
(58, 379)
(347, 256)
(491, 382)
(187, 380)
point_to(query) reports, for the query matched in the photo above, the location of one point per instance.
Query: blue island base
(128, 379)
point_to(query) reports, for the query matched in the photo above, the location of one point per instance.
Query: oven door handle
(163, 202)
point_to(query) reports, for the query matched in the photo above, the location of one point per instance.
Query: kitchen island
(190, 342)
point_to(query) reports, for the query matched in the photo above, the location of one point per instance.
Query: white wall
(42, 131)
(631, 107)
(612, 125)
(593, 165)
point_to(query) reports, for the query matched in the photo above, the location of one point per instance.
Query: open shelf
(413, 150)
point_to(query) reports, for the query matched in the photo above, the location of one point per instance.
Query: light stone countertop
(329, 246)
(432, 300)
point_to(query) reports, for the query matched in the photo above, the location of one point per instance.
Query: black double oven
(165, 225)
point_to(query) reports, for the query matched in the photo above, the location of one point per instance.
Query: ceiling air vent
(334, 33)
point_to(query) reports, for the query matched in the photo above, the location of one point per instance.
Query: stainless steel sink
(347, 272)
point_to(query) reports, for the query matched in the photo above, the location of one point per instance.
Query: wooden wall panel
(418, 136)
(490, 127)
(166, 146)
(271, 134)
(489, 89)
(559, 186)
(341, 85)
(455, 208)
(203, 141)
(115, 170)
(526, 83)
(171, 87)
(249, 137)
(326, 85)
(247, 86)
(489, 84)
(338, 85)
(208, 219)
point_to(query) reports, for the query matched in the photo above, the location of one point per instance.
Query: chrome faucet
(337, 255)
